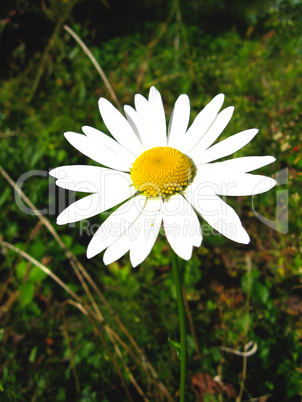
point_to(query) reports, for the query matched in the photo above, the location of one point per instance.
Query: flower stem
(182, 324)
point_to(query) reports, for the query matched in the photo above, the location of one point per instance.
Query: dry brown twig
(80, 304)
(10, 134)
(82, 273)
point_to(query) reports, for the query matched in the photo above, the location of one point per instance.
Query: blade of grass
(98, 332)
(89, 313)
(244, 361)
(77, 269)
(96, 65)
(192, 328)
(76, 379)
(42, 267)
(76, 265)
(68, 6)
(135, 384)
(87, 309)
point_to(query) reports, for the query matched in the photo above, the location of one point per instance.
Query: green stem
(182, 324)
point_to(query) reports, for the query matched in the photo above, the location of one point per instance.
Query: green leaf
(5, 195)
(36, 274)
(61, 155)
(176, 346)
(26, 293)
(33, 354)
(21, 269)
(78, 249)
(37, 249)
(67, 240)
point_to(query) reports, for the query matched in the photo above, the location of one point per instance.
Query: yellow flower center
(162, 172)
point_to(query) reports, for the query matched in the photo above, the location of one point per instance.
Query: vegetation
(106, 337)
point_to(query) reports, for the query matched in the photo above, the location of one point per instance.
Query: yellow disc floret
(162, 172)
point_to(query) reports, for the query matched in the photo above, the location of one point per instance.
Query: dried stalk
(77, 266)
(76, 379)
(86, 310)
(96, 65)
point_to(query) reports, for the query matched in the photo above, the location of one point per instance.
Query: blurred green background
(111, 343)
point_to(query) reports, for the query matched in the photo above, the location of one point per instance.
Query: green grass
(49, 349)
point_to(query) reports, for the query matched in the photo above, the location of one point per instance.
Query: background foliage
(50, 350)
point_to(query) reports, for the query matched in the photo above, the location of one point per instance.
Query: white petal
(115, 225)
(232, 185)
(202, 122)
(158, 118)
(114, 186)
(141, 122)
(236, 165)
(140, 103)
(82, 178)
(116, 250)
(101, 148)
(150, 120)
(248, 184)
(139, 237)
(137, 118)
(219, 215)
(181, 226)
(148, 225)
(82, 209)
(119, 127)
(132, 119)
(179, 121)
(213, 132)
(226, 147)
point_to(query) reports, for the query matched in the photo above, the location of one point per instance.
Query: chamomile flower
(158, 177)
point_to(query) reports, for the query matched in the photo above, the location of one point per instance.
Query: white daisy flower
(160, 178)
